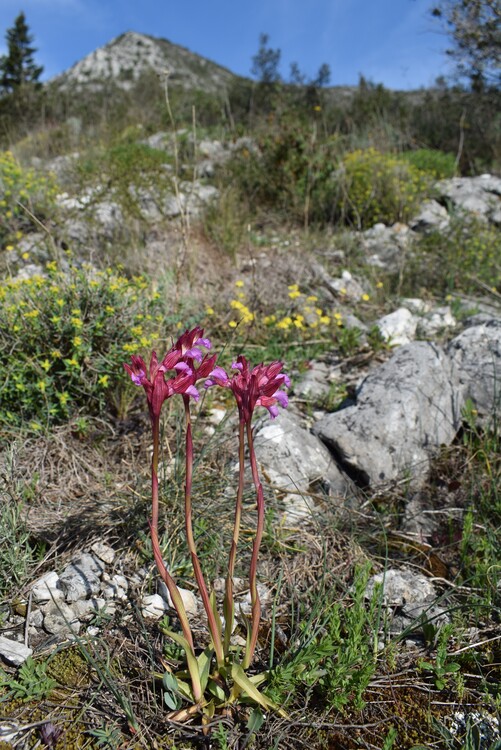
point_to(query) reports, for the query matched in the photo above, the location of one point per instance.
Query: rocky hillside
(129, 56)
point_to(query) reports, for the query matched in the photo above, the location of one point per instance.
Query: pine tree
(17, 67)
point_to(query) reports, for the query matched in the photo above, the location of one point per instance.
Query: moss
(69, 668)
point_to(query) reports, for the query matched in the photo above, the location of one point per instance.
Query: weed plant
(461, 258)
(22, 189)
(481, 532)
(334, 656)
(18, 555)
(60, 335)
(436, 163)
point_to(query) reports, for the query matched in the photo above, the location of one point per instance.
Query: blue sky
(394, 42)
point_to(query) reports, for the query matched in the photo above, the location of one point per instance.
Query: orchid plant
(217, 674)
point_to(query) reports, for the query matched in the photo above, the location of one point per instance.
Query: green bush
(63, 338)
(375, 187)
(461, 258)
(125, 164)
(437, 163)
(289, 173)
(27, 187)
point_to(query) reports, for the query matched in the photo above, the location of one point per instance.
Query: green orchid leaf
(185, 690)
(190, 658)
(217, 618)
(216, 690)
(204, 661)
(251, 690)
(255, 720)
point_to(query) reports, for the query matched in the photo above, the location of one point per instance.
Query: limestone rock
(404, 411)
(14, 652)
(398, 327)
(408, 597)
(60, 618)
(292, 459)
(188, 597)
(47, 587)
(432, 217)
(154, 606)
(82, 577)
(104, 552)
(476, 358)
(476, 195)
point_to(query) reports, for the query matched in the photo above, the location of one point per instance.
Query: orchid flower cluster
(179, 372)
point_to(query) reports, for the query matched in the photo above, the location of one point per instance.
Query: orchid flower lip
(282, 399)
(183, 367)
(237, 366)
(204, 342)
(192, 391)
(194, 353)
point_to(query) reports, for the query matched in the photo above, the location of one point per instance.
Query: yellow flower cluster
(304, 315)
(62, 335)
(18, 187)
(243, 316)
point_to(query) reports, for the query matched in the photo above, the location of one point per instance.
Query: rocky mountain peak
(129, 56)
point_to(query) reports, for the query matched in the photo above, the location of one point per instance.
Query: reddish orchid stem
(155, 423)
(202, 587)
(255, 601)
(166, 576)
(229, 604)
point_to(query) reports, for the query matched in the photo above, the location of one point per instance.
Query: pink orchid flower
(181, 358)
(257, 387)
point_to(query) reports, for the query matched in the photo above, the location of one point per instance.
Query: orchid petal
(183, 367)
(282, 399)
(194, 353)
(204, 342)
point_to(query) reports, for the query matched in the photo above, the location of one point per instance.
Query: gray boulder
(476, 195)
(387, 247)
(407, 597)
(404, 411)
(294, 461)
(476, 358)
(81, 579)
(432, 217)
(398, 327)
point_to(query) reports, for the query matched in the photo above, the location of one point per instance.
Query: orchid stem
(255, 601)
(211, 619)
(229, 604)
(172, 588)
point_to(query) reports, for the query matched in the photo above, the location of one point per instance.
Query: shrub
(124, 165)
(375, 187)
(290, 173)
(463, 257)
(62, 336)
(437, 163)
(22, 186)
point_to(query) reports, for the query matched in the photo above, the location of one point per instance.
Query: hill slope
(129, 56)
